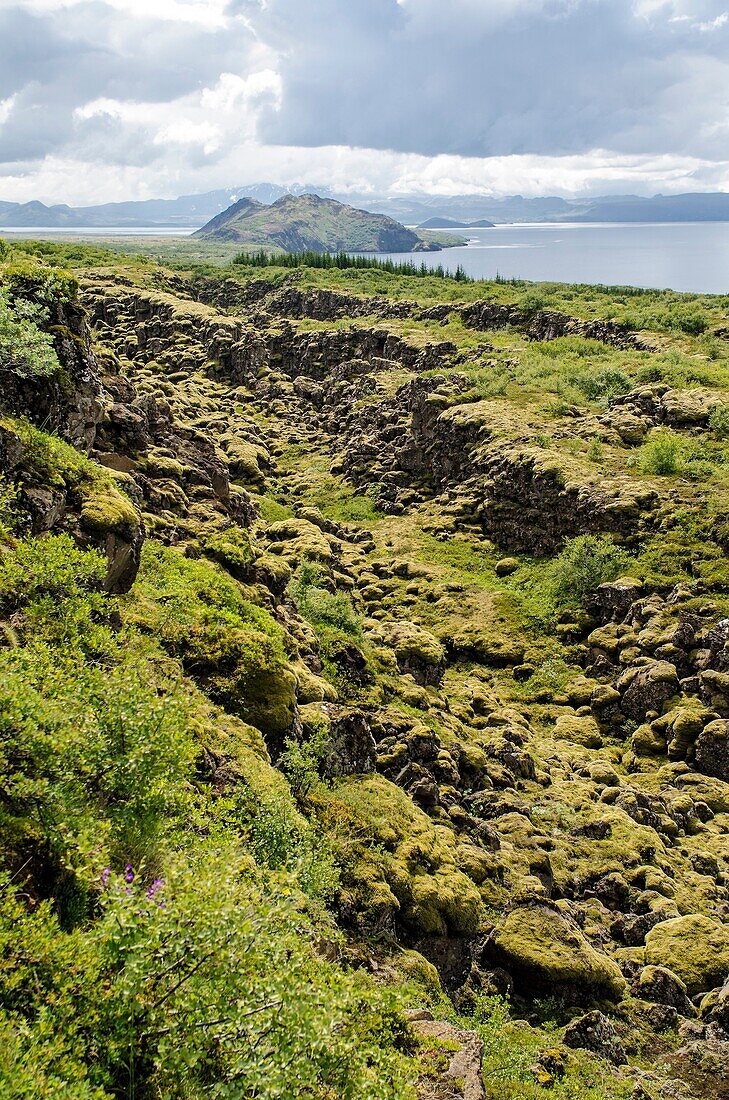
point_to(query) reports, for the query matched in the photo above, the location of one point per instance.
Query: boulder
(596, 1033)
(417, 652)
(646, 688)
(711, 755)
(661, 986)
(351, 748)
(544, 951)
(694, 947)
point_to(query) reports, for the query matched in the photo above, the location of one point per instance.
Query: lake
(691, 256)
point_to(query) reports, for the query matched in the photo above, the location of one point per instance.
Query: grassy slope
(538, 383)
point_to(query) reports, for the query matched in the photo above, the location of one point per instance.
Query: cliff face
(309, 223)
(484, 640)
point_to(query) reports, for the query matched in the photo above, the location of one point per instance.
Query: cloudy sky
(115, 99)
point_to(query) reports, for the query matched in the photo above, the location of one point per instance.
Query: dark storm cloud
(54, 63)
(473, 78)
(492, 78)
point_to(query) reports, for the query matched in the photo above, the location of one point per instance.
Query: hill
(451, 223)
(433, 211)
(310, 223)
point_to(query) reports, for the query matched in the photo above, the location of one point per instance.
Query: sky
(104, 100)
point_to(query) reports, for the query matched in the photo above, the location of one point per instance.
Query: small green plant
(662, 454)
(25, 349)
(719, 421)
(596, 451)
(584, 563)
(601, 385)
(319, 606)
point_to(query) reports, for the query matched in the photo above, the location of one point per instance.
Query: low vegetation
(421, 646)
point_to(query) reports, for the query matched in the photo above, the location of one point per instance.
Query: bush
(25, 350)
(601, 385)
(662, 454)
(584, 563)
(201, 984)
(320, 607)
(719, 421)
(690, 320)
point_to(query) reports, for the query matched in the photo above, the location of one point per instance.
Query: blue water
(690, 256)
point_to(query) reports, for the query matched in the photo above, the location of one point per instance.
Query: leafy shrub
(24, 348)
(719, 421)
(601, 385)
(196, 985)
(584, 563)
(33, 281)
(662, 454)
(320, 607)
(690, 320)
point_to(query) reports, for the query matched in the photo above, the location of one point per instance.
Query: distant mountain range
(299, 223)
(193, 211)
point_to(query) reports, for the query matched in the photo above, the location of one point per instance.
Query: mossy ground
(499, 778)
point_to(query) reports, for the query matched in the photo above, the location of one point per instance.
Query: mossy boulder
(544, 951)
(417, 652)
(580, 730)
(694, 947)
(419, 862)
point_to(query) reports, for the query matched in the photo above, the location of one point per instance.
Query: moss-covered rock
(417, 652)
(544, 951)
(695, 947)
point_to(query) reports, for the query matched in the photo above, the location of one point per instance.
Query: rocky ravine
(567, 841)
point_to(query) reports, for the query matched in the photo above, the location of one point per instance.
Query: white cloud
(6, 106)
(205, 13)
(111, 99)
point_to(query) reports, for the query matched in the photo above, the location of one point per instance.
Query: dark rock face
(662, 986)
(70, 404)
(596, 1033)
(351, 748)
(712, 749)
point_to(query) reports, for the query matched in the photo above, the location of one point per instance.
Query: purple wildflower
(128, 873)
(105, 874)
(155, 887)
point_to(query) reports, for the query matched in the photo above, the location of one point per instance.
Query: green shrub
(719, 421)
(663, 454)
(198, 984)
(25, 350)
(690, 320)
(601, 385)
(584, 563)
(320, 607)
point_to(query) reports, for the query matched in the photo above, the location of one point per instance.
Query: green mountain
(309, 223)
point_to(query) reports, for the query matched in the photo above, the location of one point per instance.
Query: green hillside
(309, 223)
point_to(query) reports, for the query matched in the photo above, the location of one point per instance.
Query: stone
(711, 754)
(694, 947)
(596, 1033)
(662, 986)
(351, 748)
(544, 951)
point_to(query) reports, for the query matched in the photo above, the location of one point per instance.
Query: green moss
(419, 864)
(234, 649)
(542, 949)
(104, 509)
(695, 947)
